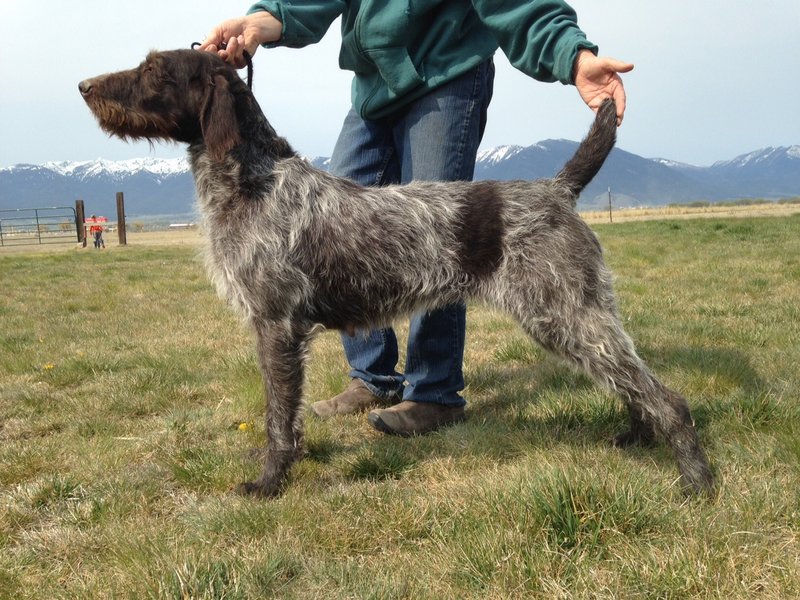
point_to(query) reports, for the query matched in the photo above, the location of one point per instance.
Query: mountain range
(155, 186)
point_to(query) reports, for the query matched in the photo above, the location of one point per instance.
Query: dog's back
(592, 152)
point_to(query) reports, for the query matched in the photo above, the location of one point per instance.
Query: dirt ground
(193, 236)
(649, 214)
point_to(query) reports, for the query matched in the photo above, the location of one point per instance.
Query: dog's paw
(696, 474)
(702, 485)
(256, 489)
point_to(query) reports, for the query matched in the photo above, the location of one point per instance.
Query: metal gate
(54, 225)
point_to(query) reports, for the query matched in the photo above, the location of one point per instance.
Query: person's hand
(597, 78)
(231, 38)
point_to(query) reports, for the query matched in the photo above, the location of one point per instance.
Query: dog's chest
(250, 270)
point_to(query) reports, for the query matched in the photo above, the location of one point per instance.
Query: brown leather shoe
(413, 418)
(354, 399)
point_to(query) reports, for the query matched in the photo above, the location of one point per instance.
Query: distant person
(422, 86)
(96, 231)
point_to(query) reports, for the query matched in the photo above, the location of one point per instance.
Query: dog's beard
(119, 120)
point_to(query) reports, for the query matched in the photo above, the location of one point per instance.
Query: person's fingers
(235, 51)
(212, 41)
(615, 89)
(250, 42)
(232, 48)
(618, 66)
(620, 100)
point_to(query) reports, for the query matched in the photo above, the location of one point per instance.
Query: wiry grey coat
(292, 247)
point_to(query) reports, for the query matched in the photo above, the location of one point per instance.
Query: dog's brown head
(181, 95)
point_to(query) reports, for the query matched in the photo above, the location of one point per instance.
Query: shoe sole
(376, 421)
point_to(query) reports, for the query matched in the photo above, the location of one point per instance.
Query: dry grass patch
(129, 398)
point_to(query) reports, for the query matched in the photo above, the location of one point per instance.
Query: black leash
(248, 59)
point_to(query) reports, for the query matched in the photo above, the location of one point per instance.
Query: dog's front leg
(281, 354)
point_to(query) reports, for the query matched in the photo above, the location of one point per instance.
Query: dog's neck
(254, 128)
(253, 159)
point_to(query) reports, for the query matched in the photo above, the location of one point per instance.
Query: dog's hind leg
(640, 433)
(281, 351)
(592, 339)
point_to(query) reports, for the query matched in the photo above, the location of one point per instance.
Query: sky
(713, 78)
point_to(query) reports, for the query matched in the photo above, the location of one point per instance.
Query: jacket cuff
(566, 53)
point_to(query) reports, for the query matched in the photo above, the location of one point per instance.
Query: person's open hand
(597, 78)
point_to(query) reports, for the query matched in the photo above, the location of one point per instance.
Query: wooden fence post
(80, 220)
(123, 236)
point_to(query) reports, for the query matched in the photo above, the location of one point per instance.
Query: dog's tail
(592, 152)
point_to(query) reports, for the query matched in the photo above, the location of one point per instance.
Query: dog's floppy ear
(218, 118)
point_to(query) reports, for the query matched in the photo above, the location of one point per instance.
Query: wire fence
(51, 225)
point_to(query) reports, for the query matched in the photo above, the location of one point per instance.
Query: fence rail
(51, 225)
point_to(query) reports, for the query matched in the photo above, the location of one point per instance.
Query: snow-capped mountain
(768, 173)
(766, 155)
(165, 186)
(493, 156)
(635, 181)
(151, 185)
(164, 167)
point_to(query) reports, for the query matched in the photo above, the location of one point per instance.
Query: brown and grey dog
(292, 247)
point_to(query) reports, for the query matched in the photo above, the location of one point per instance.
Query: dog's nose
(85, 87)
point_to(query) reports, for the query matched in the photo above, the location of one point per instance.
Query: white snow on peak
(495, 155)
(19, 167)
(669, 163)
(675, 164)
(761, 155)
(156, 166)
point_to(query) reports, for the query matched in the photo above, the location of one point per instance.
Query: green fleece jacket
(401, 49)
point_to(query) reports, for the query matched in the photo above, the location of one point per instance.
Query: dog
(292, 247)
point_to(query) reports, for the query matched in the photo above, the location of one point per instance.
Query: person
(96, 231)
(423, 80)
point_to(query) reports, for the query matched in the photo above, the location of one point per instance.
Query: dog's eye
(148, 68)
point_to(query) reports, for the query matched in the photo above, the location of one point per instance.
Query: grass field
(129, 398)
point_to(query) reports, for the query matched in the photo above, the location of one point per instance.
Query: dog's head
(180, 95)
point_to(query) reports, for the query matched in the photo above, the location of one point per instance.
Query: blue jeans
(434, 138)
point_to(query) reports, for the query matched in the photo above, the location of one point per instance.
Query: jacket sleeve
(541, 38)
(304, 21)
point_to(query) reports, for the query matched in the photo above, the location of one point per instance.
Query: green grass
(129, 398)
